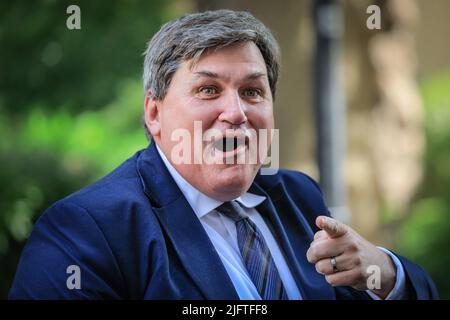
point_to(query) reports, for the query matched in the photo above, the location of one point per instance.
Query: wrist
(388, 277)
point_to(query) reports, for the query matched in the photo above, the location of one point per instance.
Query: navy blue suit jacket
(134, 236)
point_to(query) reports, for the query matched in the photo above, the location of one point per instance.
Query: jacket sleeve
(67, 257)
(418, 283)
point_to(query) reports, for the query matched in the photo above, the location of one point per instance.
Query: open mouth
(230, 144)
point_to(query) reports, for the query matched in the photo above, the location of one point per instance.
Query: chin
(232, 182)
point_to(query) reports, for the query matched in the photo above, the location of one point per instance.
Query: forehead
(236, 60)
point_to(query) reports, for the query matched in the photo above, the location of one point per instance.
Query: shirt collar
(200, 202)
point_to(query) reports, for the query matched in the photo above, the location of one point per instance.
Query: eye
(252, 92)
(208, 90)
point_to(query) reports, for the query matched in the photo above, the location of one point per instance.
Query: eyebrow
(210, 74)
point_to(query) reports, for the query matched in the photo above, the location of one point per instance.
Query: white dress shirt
(221, 231)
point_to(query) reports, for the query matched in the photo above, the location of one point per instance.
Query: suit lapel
(197, 253)
(189, 239)
(294, 235)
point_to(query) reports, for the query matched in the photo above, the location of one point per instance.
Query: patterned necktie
(255, 253)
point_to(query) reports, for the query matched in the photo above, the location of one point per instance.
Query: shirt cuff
(399, 291)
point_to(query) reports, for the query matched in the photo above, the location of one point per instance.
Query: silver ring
(334, 264)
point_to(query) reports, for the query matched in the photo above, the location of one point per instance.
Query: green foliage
(425, 236)
(42, 61)
(101, 138)
(71, 104)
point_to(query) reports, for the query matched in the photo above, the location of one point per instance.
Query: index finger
(332, 227)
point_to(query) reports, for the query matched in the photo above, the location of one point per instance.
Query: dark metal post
(329, 106)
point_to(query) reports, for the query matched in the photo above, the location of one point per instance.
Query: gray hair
(190, 35)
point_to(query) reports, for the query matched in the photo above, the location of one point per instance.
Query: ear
(151, 115)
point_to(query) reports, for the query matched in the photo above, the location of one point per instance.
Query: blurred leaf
(425, 236)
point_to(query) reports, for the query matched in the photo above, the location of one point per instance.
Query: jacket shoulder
(113, 196)
(121, 181)
(93, 229)
(295, 183)
(298, 189)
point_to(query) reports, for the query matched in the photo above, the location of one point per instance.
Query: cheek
(182, 112)
(261, 117)
(200, 110)
(263, 122)
(180, 119)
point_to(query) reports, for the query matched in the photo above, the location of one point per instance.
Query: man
(187, 223)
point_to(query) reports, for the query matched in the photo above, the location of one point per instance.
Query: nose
(233, 110)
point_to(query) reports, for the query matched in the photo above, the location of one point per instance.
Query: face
(225, 89)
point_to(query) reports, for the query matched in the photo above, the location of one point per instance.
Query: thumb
(331, 226)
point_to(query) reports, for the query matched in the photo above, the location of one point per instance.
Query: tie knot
(233, 210)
